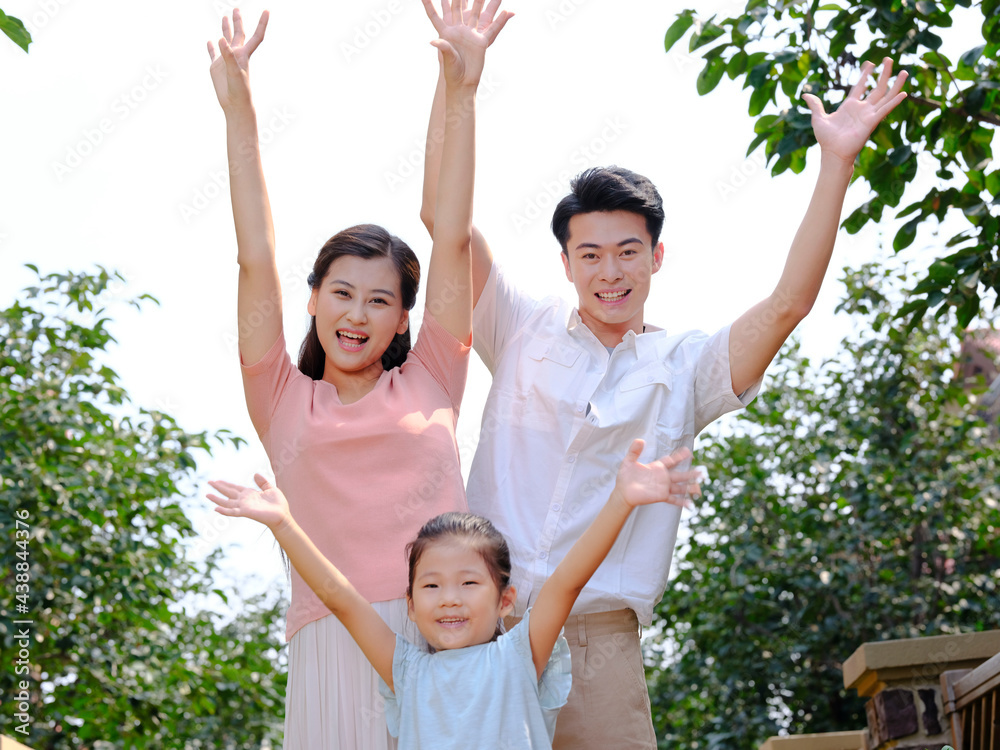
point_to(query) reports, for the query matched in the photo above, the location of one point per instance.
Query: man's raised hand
(464, 33)
(843, 133)
(230, 68)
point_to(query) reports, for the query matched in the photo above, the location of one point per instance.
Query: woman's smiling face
(358, 311)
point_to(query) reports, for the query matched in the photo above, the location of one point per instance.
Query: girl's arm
(259, 299)
(637, 484)
(462, 43)
(268, 506)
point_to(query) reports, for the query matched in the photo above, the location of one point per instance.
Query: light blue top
(485, 697)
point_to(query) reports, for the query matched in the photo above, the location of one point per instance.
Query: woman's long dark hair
(366, 241)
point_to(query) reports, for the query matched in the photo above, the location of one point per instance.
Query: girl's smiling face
(455, 601)
(358, 312)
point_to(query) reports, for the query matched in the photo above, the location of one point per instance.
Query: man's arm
(758, 334)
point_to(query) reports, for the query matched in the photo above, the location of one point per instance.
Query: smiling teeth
(611, 296)
(355, 336)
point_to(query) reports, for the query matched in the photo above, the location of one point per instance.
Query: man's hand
(843, 133)
(464, 34)
(230, 69)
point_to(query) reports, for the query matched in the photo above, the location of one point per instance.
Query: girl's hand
(464, 34)
(657, 481)
(843, 133)
(230, 70)
(266, 505)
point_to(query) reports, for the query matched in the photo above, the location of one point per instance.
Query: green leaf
(678, 28)
(710, 75)
(906, 234)
(709, 33)
(14, 28)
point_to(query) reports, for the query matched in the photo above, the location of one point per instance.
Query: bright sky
(115, 155)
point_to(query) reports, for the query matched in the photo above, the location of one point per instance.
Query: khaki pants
(608, 706)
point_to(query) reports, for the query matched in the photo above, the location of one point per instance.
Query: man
(573, 386)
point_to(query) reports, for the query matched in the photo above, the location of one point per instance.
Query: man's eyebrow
(629, 241)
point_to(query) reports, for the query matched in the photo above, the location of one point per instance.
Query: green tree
(781, 49)
(14, 28)
(94, 559)
(858, 501)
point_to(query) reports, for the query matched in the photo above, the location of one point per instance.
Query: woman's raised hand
(464, 33)
(230, 68)
(266, 505)
(658, 481)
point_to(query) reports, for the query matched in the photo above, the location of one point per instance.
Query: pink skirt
(332, 701)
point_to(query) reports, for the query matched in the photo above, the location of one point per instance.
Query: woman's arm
(462, 43)
(269, 507)
(636, 484)
(482, 256)
(259, 299)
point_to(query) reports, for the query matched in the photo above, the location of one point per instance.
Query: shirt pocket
(543, 386)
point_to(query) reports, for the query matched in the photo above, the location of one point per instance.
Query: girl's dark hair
(475, 530)
(609, 189)
(363, 241)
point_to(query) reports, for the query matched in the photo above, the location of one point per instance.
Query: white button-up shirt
(560, 416)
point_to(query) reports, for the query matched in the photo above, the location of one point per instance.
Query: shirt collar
(643, 345)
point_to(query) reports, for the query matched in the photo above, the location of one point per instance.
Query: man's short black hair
(609, 189)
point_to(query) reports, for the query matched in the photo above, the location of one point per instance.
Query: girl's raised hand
(844, 132)
(464, 34)
(657, 481)
(230, 69)
(266, 505)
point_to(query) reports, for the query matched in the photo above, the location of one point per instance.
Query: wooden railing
(972, 703)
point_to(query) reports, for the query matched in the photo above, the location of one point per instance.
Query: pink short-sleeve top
(362, 478)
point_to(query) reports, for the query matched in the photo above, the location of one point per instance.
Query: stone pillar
(902, 678)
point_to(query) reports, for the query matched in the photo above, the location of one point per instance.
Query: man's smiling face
(610, 261)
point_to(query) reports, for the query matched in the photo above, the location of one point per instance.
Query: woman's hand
(231, 68)
(266, 505)
(463, 36)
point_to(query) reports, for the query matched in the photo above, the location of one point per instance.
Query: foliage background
(857, 501)
(126, 648)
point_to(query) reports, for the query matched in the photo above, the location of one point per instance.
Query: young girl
(361, 434)
(479, 687)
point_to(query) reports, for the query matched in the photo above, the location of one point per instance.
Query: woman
(361, 435)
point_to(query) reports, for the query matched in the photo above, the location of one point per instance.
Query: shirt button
(579, 407)
(556, 508)
(542, 555)
(649, 378)
(572, 459)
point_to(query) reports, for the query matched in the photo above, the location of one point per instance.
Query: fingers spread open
(238, 35)
(258, 34)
